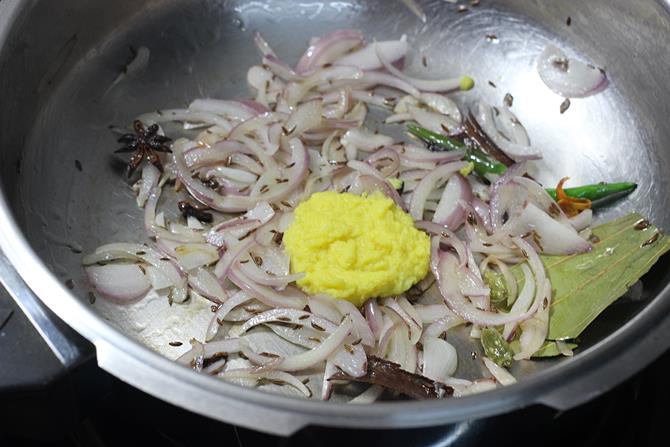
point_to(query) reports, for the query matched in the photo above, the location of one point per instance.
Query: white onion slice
(291, 298)
(450, 210)
(448, 283)
(222, 312)
(523, 301)
(328, 48)
(192, 256)
(276, 376)
(428, 183)
(149, 180)
(426, 85)
(534, 330)
(518, 152)
(476, 387)
(440, 359)
(365, 140)
(552, 236)
(510, 126)
(569, 77)
(206, 284)
(404, 309)
(322, 352)
(235, 110)
(368, 396)
(432, 121)
(442, 104)
(169, 115)
(366, 58)
(374, 317)
(361, 327)
(430, 313)
(582, 220)
(499, 373)
(387, 80)
(120, 282)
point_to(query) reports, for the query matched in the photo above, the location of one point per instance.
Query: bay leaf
(583, 285)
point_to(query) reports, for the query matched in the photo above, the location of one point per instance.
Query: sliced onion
(191, 256)
(582, 220)
(289, 316)
(448, 283)
(361, 328)
(263, 46)
(523, 301)
(569, 77)
(386, 161)
(376, 78)
(510, 126)
(518, 152)
(368, 396)
(430, 313)
(404, 310)
(276, 376)
(440, 359)
(222, 312)
(552, 236)
(534, 330)
(426, 85)
(149, 180)
(170, 115)
(259, 276)
(443, 105)
(432, 121)
(441, 326)
(483, 213)
(365, 140)
(366, 169)
(291, 298)
(428, 183)
(398, 118)
(374, 317)
(295, 176)
(351, 358)
(476, 387)
(328, 48)
(120, 282)
(165, 276)
(450, 210)
(207, 285)
(235, 110)
(300, 336)
(499, 373)
(401, 350)
(305, 117)
(501, 197)
(324, 307)
(366, 58)
(319, 354)
(564, 349)
(211, 349)
(410, 153)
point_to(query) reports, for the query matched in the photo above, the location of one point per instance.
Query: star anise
(199, 212)
(145, 142)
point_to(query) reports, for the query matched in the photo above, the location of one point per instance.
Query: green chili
(487, 165)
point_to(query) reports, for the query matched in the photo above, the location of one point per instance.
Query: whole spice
(187, 209)
(390, 375)
(145, 142)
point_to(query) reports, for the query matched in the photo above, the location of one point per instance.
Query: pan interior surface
(69, 193)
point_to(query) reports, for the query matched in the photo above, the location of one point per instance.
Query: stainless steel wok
(63, 192)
